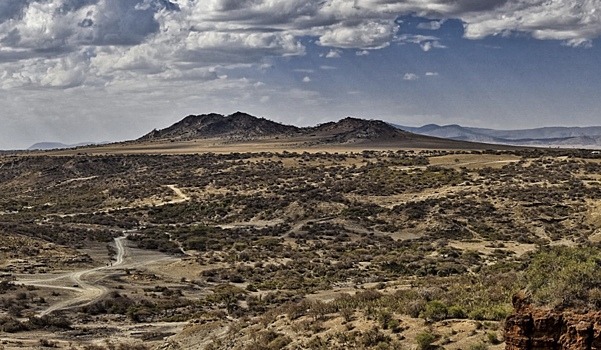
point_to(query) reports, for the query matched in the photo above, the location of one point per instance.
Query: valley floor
(382, 249)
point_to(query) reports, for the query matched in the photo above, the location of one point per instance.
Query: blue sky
(107, 70)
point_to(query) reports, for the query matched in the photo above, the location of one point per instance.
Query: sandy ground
(85, 284)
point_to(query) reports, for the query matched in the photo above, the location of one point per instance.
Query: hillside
(241, 128)
(353, 130)
(236, 126)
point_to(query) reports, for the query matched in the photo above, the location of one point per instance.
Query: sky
(109, 70)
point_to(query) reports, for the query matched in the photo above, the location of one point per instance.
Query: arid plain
(287, 243)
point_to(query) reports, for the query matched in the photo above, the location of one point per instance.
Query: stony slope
(348, 131)
(354, 129)
(236, 126)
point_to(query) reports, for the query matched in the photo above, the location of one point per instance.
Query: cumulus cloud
(363, 35)
(66, 43)
(306, 79)
(333, 54)
(574, 21)
(410, 76)
(65, 71)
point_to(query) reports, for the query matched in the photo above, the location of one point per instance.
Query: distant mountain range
(579, 137)
(242, 127)
(40, 146)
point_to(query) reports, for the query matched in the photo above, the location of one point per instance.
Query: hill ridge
(243, 126)
(238, 125)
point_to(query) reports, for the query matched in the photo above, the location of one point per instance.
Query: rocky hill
(236, 126)
(242, 126)
(349, 130)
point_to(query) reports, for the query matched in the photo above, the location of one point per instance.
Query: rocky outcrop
(349, 130)
(236, 126)
(242, 127)
(531, 328)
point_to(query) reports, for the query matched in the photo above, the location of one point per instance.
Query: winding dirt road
(84, 282)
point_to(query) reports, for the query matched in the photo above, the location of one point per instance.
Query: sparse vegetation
(373, 250)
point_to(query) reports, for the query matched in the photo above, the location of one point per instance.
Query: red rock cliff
(531, 328)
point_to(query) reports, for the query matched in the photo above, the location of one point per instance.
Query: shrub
(456, 312)
(564, 276)
(479, 346)
(11, 325)
(492, 338)
(51, 322)
(435, 310)
(425, 339)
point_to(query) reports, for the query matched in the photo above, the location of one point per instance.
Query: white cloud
(306, 79)
(65, 71)
(431, 74)
(573, 21)
(304, 70)
(410, 76)
(362, 53)
(333, 54)
(426, 42)
(432, 25)
(363, 35)
(429, 45)
(135, 38)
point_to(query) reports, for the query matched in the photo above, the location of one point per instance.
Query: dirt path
(83, 282)
(182, 197)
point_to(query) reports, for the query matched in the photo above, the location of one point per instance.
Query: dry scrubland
(291, 250)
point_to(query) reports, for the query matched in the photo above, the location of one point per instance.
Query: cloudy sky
(106, 70)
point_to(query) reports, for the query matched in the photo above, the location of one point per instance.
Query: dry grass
(474, 161)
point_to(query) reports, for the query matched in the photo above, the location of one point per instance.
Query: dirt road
(84, 282)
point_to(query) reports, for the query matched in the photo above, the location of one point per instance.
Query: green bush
(492, 338)
(565, 276)
(435, 310)
(425, 339)
(456, 312)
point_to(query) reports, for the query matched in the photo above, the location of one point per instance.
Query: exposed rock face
(531, 328)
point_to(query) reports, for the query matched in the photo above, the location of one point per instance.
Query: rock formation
(532, 328)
